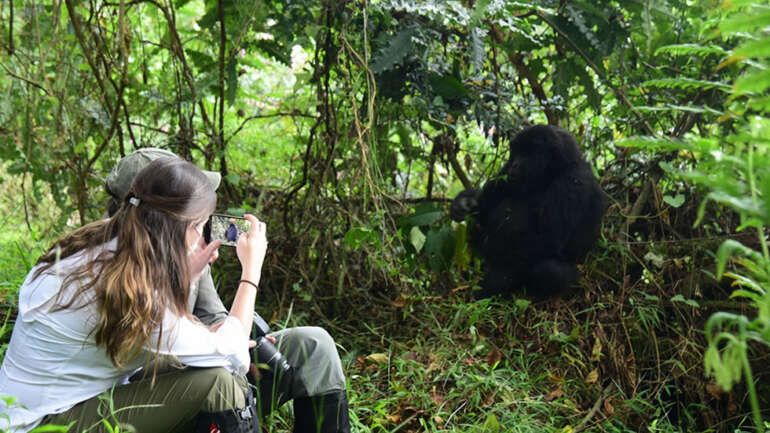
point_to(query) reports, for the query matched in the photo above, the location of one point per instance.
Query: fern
(755, 82)
(686, 84)
(477, 51)
(690, 50)
(747, 22)
(398, 48)
(577, 19)
(479, 12)
(754, 49)
(680, 108)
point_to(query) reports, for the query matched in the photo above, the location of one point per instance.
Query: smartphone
(226, 228)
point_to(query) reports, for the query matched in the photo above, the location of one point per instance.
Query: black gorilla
(537, 218)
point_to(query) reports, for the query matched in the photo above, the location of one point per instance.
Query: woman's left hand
(202, 256)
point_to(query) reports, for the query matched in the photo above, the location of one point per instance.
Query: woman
(111, 297)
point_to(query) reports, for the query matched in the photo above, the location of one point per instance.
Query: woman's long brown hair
(148, 273)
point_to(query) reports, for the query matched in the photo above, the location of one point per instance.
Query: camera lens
(267, 353)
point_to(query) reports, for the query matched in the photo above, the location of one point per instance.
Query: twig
(293, 113)
(593, 410)
(26, 80)
(462, 405)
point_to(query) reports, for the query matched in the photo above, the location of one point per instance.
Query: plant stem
(753, 189)
(752, 394)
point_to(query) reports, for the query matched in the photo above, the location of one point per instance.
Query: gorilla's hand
(463, 204)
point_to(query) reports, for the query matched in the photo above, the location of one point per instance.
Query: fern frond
(478, 54)
(686, 84)
(398, 48)
(685, 108)
(754, 49)
(691, 50)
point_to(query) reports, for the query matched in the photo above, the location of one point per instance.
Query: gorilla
(537, 219)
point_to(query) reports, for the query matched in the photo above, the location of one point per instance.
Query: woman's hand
(251, 249)
(202, 256)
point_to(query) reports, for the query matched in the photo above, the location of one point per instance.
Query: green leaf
(478, 54)
(747, 22)
(439, 247)
(416, 238)
(423, 219)
(52, 428)
(728, 249)
(756, 82)
(491, 425)
(448, 87)
(522, 304)
(479, 12)
(674, 202)
(233, 179)
(357, 237)
(753, 49)
(424, 214)
(654, 143)
(398, 48)
(686, 84)
(691, 49)
(682, 299)
(462, 248)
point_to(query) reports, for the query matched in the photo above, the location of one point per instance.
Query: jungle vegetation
(349, 125)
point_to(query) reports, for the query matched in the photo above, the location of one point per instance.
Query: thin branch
(26, 80)
(151, 128)
(620, 95)
(10, 29)
(293, 113)
(537, 88)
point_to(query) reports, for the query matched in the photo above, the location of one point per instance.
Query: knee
(323, 341)
(225, 390)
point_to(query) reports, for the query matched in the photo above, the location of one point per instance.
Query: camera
(226, 228)
(265, 351)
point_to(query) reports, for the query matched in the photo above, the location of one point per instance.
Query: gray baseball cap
(122, 175)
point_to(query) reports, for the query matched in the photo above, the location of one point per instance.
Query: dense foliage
(348, 125)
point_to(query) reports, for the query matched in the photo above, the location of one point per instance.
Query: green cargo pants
(170, 405)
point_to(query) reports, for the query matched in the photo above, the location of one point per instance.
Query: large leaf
(439, 247)
(397, 49)
(448, 87)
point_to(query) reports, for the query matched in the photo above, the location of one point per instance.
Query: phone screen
(226, 228)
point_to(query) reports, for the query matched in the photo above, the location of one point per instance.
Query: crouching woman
(110, 298)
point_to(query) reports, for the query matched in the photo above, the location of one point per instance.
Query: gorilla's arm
(569, 215)
(464, 204)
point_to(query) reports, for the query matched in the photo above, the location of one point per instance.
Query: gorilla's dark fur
(537, 218)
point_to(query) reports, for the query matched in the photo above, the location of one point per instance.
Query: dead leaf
(379, 358)
(596, 351)
(714, 390)
(608, 409)
(460, 288)
(493, 357)
(436, 397)
(592, 377)
(394, 418)
(439, 421)
(555, 379)
(556, 393)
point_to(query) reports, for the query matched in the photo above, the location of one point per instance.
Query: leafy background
(349, 125)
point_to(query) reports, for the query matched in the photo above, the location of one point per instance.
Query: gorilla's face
(538, 154)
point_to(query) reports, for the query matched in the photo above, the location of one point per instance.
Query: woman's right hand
(251, 249)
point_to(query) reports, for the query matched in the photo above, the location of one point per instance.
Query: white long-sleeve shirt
(53, 363)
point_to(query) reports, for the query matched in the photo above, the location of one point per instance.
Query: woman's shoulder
(40, 287)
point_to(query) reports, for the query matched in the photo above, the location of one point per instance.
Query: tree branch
(620, 95)
(293, 113)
